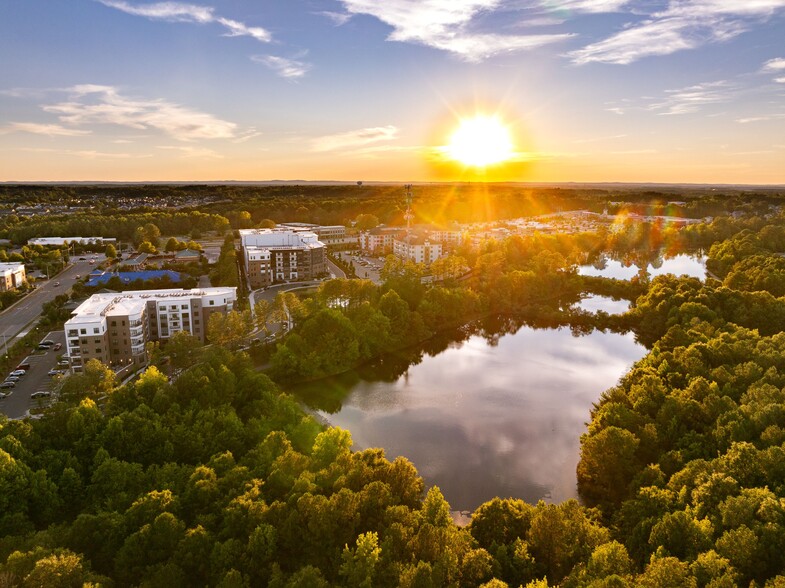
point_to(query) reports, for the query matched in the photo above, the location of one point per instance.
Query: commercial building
(114, 328)
(417, 248)
(328, 234)
(281, 255)
(58, 241)
(12, 276)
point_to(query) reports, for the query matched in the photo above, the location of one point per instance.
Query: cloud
(780, 80)
(446, 25)
(283, 66)
(354, 139)
(693, 98)
(238, 29)
(94, 104)
(752, 119)
(684, 24)
(589, 5)
(51, 130)
(189, 13)
(774, 65)
(192, 152)
(85, 153)
(168, 11)
(338, 18)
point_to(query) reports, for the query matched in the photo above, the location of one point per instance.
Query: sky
(667, 91)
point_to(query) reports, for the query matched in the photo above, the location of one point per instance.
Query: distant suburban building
(187, 256)
(12, 276)
(379, 240)
(58, 241)
(281, 255)
(328, 234)
(115, 327)
(417, 248)
(135, 263)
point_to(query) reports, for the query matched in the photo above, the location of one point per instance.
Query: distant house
(135, 263)
(187, 256)
(12, 276)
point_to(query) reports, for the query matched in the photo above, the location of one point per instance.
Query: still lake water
(492, 415)
(678, 265)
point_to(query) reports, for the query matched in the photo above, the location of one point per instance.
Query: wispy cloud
(448, 25)
(684, 24)
(588, 5)
(189, 13)
(85, 153)
(338, 18)
(191, 152)
(354, 139)
(51, 130)
(94, 104)
(283, 66)
(752, 119)
(694, 98)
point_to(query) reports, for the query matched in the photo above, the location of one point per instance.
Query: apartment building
(114, 328)
(281, 255)
(417, 248)
(12, 276)
(379, 240)
(328, 234)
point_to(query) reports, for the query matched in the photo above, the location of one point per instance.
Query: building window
(114, 323)
(212, 303)
(184, 306)
(83, 331)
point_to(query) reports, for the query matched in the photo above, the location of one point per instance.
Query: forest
(218, 477)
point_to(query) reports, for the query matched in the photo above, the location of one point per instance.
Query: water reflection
(496, 410)
(595, 302)
(626, 269)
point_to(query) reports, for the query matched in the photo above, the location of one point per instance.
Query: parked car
(47, 342)
(57, 346)
(18, 373)
(7, 384)
(25, 365)
(42, 347)
(40, 394)
(82, 259)
(63, 363)
(13, 379)
(55, 373)
(78, 276)
(57, 283)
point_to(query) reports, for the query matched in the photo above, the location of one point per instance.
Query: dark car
(40, 394)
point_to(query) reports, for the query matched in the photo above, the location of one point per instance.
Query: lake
(677, 265)
(491, 415)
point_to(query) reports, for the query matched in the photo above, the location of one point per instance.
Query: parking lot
(36, 380)
(366, 266)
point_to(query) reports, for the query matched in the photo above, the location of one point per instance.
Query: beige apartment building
(114, 328)
(12, 276)
(281, 255)
(417, 248)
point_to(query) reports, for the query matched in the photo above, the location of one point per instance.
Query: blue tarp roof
(128, 277)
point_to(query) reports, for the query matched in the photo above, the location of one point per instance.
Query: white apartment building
(417, 248)
(12, 276)
(281, 255)
(114, 328)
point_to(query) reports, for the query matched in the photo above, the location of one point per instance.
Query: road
(37, 379)
(15, 319)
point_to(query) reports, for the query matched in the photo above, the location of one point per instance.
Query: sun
(480, 142)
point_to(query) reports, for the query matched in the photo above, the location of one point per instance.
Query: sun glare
(480, 142)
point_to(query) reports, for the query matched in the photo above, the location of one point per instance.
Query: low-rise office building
(114, 328)
(12, 276)
(281, 255)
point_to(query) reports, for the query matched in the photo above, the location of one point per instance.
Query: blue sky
(592, 90)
